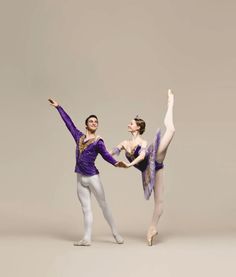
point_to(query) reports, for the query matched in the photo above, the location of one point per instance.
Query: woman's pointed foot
(170, 97)
(151, 236)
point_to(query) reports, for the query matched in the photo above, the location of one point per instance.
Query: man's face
(92, 124)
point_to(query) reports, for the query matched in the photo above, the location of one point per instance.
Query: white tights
(86, 185)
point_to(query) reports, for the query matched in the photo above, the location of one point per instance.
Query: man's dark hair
(87, 119)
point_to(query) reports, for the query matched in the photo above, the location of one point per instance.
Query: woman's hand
(123, 164)
(53, 103)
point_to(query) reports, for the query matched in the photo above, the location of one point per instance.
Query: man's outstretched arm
(67, 120)
(105, 154)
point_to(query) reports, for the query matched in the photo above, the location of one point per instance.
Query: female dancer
(149, 160)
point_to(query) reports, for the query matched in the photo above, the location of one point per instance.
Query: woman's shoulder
(125, 142)
(143, 143)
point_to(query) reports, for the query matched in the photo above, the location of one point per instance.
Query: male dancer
(88, 146)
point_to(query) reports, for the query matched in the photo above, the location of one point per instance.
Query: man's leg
(97, 188)
(84, 196)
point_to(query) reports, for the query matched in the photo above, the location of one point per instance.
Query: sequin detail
(83, 145)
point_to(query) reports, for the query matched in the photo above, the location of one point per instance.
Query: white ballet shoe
(118, 238)
(83, 242)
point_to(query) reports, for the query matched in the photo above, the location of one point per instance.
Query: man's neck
(90, 135)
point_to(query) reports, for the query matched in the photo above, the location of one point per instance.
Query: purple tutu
(149, 165)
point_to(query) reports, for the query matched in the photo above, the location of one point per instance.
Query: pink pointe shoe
(151, 236)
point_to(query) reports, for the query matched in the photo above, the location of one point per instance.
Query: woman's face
(92, 124)
(133, 127)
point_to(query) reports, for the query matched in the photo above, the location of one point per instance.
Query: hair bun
(140, 123)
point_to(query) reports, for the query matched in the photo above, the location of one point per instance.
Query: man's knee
(103, 204)
(86, 209)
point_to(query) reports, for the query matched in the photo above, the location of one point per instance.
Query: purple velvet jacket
(86, 152)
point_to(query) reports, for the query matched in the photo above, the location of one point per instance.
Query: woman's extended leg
(170, 129)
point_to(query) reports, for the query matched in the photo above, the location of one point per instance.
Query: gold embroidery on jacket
(83, 145)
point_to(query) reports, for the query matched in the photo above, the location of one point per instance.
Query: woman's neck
(135, 136)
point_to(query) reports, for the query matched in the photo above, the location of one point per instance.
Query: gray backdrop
(117, 59)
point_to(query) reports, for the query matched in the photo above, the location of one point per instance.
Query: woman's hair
(87, 119)
(140, 123)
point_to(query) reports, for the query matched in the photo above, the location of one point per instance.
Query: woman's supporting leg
(97, 188)
(158, 206)
(158, 198)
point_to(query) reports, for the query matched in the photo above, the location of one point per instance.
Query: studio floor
(175, 254)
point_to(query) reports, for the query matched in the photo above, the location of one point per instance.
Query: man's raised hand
(53, 103)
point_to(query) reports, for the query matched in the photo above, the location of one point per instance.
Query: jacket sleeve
(69, 123)
(104, 153)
